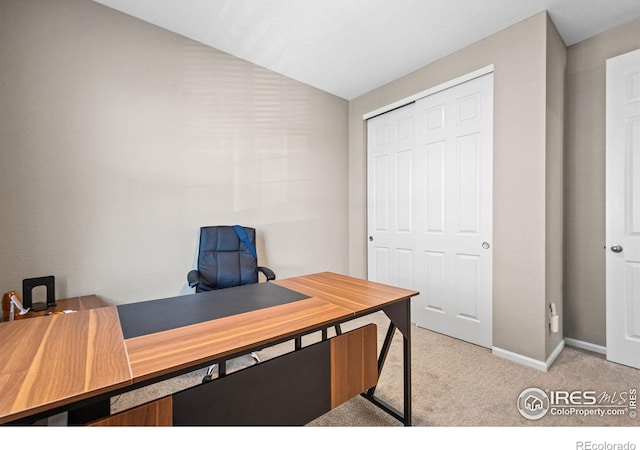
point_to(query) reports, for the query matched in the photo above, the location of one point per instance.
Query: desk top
(51, 361)
(356, 295)
(154, 316)
(89, 349)
(82, 303)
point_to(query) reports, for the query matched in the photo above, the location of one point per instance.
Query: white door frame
(440, 87)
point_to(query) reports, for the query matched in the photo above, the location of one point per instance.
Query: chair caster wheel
(207, 378)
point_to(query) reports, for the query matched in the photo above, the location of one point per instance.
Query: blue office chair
(227, 257)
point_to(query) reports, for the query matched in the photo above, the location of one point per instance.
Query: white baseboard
(520, 359)
(554, 354)
(586, 346)
(529, 362)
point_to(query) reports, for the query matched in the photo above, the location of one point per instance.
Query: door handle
(616, 248)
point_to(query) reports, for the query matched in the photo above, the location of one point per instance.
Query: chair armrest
(193, 278)
(267, 273)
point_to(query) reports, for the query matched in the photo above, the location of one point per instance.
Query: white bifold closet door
(429, 187)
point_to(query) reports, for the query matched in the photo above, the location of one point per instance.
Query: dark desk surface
(57, 360)
(155, 316)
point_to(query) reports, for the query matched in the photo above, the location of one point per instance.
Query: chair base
(212, 368)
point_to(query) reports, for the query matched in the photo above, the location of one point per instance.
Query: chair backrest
(224, 260)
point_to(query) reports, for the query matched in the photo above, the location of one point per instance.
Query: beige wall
(119, 140)
(556, 70)
(519, 56)
(584, 261)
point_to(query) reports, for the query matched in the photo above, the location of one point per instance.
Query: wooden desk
(66, 360)
(75, 303)
(81, 303)
(52, 361)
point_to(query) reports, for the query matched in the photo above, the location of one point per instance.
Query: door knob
(616, 248)
(370, 238)
(486, 245)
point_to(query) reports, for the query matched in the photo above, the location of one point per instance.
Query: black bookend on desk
(28, 284)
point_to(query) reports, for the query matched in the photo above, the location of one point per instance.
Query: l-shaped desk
(77, 362)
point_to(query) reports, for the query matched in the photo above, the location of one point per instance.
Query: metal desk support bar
(400, 316)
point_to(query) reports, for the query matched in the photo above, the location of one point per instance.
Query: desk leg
(400, 316)
(407, 373)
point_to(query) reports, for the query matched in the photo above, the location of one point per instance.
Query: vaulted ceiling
(349, 47)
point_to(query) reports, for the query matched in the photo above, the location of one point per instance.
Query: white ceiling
(349, 47)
